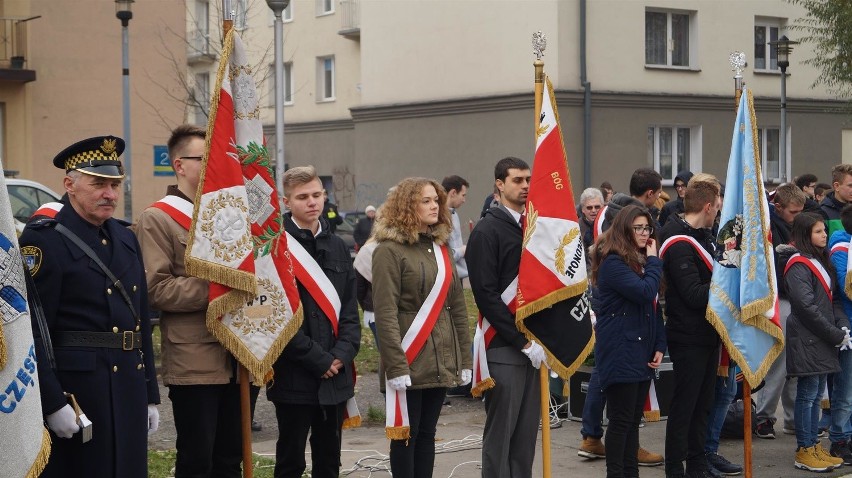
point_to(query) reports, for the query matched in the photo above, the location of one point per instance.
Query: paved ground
(459, 443)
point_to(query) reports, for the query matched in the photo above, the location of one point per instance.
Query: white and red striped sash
(815, 267)
(705, 256)
(49, 209)
(597, 230)
(482, 380)
(309, 273)
(177, 208)
(313, 278)
(397, 425)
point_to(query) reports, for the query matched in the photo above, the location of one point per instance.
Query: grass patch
(375, 415)
(161, 465)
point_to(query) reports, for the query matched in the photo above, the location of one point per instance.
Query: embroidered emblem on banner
(223, 222)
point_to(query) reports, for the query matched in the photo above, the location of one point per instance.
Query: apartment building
(377, 90)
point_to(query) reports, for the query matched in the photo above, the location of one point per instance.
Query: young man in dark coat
(687, 251)
(314, 377)
(493, 258)
(103, 349)
(675, 206)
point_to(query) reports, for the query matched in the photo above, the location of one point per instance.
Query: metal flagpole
(539, 42)
(278, 7)
(738, 63)
(244, 377)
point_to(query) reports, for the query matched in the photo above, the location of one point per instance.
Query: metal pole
(128, 158)
(280, 166)
(782, 137)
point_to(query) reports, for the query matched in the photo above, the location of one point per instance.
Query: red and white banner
(552, 304)
(237, 239)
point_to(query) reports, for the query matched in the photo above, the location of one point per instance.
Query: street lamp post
(278, 7)
(123, 12)
(783, 47)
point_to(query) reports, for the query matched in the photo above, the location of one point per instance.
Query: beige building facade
(438, 87)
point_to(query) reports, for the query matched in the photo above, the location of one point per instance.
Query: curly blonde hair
(399, 212)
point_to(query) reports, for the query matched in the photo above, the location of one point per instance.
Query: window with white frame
(325, 78)
(288, 84)
(240, 10)
(201, 98)
(672, 149)
(287, 14)
(668, 38)
(324, 7)
(765, 31)
(774, 166)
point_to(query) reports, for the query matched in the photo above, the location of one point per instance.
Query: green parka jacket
(404, 271)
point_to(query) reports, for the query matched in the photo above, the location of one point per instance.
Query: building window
(325, 78)
(324, 7)
(201, 98)
(774, 166)
(288, 84)
(672, 149)
(287, 14)
(240, 10)
(765, 57)
(667, 38)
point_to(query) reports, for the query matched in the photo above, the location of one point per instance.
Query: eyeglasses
(592, 208)
(195, 158)
(643, 229)
(680, 186)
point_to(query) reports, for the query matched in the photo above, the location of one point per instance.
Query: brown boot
(647, 458)
(592, 448)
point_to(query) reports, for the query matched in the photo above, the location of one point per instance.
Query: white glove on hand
(400, 383)
(153, 418)
(536, 354)
(369, 318)
(846, 344)
(63, 422)
(466, 375)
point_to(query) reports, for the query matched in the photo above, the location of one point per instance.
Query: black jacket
(362, 230)
(781, 232)
(309, 354)
(687, 285)
(493, 256)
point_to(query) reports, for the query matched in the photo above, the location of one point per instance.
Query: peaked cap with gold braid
(96, 156)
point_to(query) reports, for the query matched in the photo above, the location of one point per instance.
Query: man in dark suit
(100, 328)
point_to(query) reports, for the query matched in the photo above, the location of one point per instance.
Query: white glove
(63, 422)
(369, 318)
(466, 375)
(153, 418)
(536, 354)
(399, 383)
(846, 344)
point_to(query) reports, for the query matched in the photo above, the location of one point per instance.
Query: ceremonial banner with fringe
(237, 240)
(743, 304)
(26, 443)
(552, 305)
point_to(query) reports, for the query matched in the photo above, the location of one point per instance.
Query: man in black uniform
(331, 213)
(100, 328)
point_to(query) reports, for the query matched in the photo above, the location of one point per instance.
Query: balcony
(199, 48)
(13, 50)
(350, 19)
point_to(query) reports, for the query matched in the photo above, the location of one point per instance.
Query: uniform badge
(32, 257)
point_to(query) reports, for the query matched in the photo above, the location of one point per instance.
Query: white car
(26, 197)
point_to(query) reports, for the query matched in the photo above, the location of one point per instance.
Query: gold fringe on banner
(43, 455)
(352, 422)
(480, 388)
(3, 352)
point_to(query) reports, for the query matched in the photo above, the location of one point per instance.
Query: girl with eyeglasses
(630, 334)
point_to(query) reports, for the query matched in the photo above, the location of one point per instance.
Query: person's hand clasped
(400, 383)
(536, 354)
(336, 365)
(658, 359)
(63, 422)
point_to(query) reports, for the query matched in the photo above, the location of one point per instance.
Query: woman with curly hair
(630, 334)
(421, 320)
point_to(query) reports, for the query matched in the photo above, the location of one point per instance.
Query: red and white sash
(177, 208)
(49, 209)
(396, 406)
(705, 256)
(482, 380)
(314, 280)
(840, 247)
(816, 268)
(597, 230)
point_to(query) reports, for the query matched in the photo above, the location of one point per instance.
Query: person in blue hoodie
(631, 338)
(840, 430)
